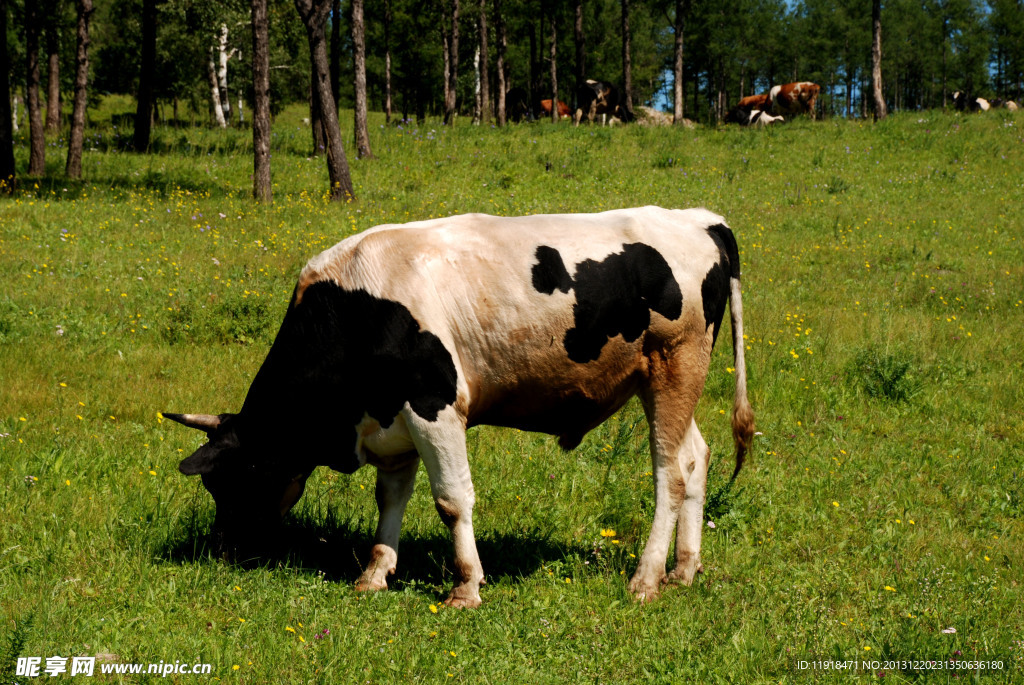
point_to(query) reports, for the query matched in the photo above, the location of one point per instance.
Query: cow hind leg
(393, 490)
(442, 446)
(693, 456)
(669, 400)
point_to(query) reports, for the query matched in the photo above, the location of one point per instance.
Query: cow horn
(203, 422)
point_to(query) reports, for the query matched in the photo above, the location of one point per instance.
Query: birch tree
(216, 100)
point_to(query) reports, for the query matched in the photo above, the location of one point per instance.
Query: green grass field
(883, 273)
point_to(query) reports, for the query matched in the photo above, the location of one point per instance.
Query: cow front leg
(394, 488)
(694, 458)
(442, 446)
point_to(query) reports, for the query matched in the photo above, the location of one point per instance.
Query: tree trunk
(6, 119)
(314, 16)
(678, 102)
(223, 57)
(531, 89)
(387, 61)
(581, 46)
(53, 78)
(336, 50)
(554, 67)
(216, 101)
(262, 190)
(316, 118)
(446, 63)
(453, 66)
(485, 85)
(500, 66)
(37, 139)
(144, 110)
(362, 134)
(945, 32)
(73, 169)
(876, 60)
(627, 64)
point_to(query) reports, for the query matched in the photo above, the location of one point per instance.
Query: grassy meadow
(882, 505)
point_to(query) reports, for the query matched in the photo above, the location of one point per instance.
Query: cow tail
(742, 413)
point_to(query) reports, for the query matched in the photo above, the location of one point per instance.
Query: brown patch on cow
(676, 487)
(307, 278)
(292, 493)
(752, 102)
(742, 430)
(447, 511)
(463, 572)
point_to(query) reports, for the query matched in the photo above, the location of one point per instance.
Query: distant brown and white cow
(399, 338)
(595, 98)
(793, 98)
(545, 109)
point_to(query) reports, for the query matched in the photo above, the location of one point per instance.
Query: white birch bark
(476, 91)
(224, 56)
(218, 110)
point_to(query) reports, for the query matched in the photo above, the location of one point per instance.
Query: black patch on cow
(339, 354)
(549, 273)
(714, 290)
(613, 297)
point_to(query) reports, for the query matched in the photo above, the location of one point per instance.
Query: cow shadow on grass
(338, 551)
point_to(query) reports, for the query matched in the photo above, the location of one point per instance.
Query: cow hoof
(645, 591)
(463, 602)
(371, 585)
(685, 573)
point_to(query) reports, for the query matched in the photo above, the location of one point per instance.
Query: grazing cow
(793, 98)
(517, 104)
(600, 97)
(544, 109)
(962, 101)
(399, 338)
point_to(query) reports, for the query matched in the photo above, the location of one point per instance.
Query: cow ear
(203, 460)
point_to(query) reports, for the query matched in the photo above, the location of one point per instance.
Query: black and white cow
(962, 101)
(600, 97)
(399, 338)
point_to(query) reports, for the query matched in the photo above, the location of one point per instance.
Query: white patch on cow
(774, 93)
(382, 443)
(983, 105)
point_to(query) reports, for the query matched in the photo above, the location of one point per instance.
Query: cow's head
(253, 484)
